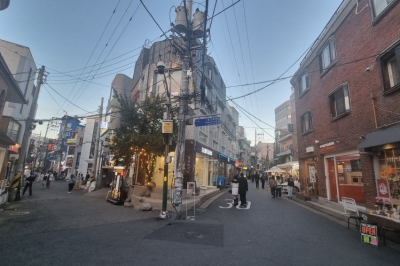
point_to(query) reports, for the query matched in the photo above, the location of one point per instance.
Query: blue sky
(255, 41)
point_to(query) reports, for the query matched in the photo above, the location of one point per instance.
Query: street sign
(207, 121)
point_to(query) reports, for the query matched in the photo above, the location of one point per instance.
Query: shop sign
(369, 234)
(231, 160)
(191, 188)
(14, 148)
(393, 159)
(327, 146)
(383, 188)
(206, 151)
(311, 170)
(244, 168)
(310, 149)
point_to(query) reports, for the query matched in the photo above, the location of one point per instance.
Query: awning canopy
(380, 137)
(275, 169)
(294, 164)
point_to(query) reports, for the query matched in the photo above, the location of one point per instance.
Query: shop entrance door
(332, 179)
(212, 172)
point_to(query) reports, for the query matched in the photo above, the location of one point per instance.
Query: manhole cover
(19, 213)
(189, 235)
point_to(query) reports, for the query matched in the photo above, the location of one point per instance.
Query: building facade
(347, 94)
(23, 68)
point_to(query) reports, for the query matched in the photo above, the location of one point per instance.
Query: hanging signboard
(369, 234)
(383, 188)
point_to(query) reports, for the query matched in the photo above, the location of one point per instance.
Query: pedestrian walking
(257, 179)
(235, 189)
(278, 187)
(272, 185)
(243, 188)
(71, 184)
(87, 178)
(49, 179)
(252, 177)
(263, 178)
(29, 182)
(44, 180)
(290, 185)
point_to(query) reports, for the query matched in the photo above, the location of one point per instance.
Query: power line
(98, 41)
(105, 48)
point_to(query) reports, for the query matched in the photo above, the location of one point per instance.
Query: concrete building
(347, 94)
(23, 68)
(243, 154)
(9, 92)
(210, 150)
(283, 136)
(265, 153)
(285, 142)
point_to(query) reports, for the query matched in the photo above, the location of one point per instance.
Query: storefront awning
(294, 164)
(380, 137)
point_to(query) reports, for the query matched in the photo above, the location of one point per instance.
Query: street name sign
(207, 121)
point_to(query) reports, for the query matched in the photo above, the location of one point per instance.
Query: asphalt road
(56, 228)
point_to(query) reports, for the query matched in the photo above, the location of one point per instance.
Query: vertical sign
(311, 170)
(369, 234)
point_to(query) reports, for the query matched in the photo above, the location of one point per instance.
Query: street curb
(209, 196)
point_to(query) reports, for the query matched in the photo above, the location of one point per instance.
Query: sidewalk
(333, 211)
(155, 199)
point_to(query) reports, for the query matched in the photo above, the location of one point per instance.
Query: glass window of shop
(206, 171)
(212, 172)
(389, 169)
(345, 178)
(201, 169)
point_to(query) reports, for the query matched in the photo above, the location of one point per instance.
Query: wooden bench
(350, 205)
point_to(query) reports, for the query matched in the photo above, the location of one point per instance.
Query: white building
(21, 64)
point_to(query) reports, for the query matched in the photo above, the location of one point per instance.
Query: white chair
(350, 205)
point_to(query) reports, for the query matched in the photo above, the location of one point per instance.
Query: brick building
(347, 93)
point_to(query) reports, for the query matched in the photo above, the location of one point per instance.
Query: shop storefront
(381, 150)
(344, 176)
(380, 157)
(207, 165)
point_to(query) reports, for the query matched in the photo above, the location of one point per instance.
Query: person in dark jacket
(71, 183)
(257, 179)
(263, 178)
(235, 189)
(28, 183)
(243, 188)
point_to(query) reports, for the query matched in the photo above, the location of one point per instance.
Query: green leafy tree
(141, 128)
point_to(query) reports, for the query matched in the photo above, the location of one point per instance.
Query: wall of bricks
(358, 42)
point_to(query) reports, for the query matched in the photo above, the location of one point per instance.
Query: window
(306, 122)
(391, 70)
(304, 83)
(215, 145)
(339, 101)
(379, 6)
(328, 55)
(202, 137)
(13, 130)
(286, 117)
(283, 110)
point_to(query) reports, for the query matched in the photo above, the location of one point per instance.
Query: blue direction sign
(207, 121)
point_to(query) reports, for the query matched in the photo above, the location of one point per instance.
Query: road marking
(230, 205)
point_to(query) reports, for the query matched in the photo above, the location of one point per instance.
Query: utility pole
(28, 129)
(96, 149)
(183, 107)
(167, 130)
